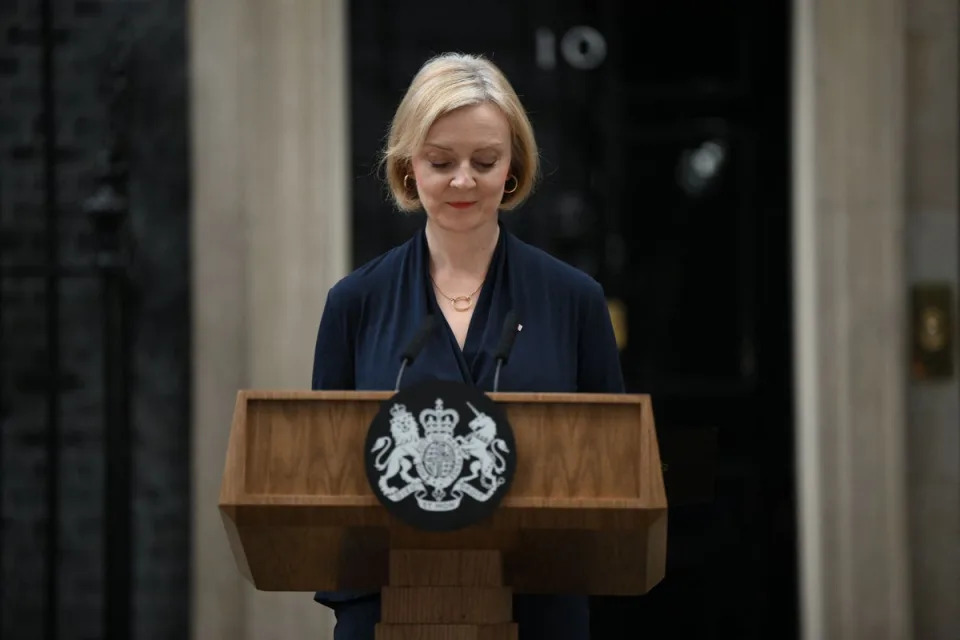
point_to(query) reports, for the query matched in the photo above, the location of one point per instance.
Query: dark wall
(93, 95)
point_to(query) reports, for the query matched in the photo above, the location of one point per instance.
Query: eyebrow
(491, 147)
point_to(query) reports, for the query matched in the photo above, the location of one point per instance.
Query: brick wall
(22, 464)
(89, 35)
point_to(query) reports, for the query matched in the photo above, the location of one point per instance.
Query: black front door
(663, 129)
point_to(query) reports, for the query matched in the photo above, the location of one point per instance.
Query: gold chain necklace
(460, 303)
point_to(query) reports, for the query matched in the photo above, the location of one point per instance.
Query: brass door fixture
(932, 331)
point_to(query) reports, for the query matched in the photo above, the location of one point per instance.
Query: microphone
(413, 348)
(508, 333)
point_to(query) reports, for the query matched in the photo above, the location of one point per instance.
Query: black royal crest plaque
(440, 455)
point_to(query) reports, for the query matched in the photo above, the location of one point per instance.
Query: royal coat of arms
(425, 458)
(440, 455)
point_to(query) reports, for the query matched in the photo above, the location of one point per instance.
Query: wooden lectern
(586, 512)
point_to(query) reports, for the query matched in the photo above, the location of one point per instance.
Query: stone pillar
(851, 366)
(269, 237)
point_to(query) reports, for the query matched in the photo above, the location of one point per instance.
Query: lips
(461, 205)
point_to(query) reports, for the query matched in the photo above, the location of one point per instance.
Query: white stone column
(270, 236)
(850, 283)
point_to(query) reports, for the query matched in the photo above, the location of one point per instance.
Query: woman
(462, 149)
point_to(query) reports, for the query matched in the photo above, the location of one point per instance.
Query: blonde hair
(445, 83)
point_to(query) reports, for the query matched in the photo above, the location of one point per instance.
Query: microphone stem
(403, 365)
(496, 376)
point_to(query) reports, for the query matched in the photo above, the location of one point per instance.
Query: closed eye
(480, 165)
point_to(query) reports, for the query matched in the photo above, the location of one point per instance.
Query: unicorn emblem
(484, 447)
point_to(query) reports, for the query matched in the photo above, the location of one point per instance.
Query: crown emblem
(439, 421)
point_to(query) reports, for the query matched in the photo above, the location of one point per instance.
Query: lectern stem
(446, 595)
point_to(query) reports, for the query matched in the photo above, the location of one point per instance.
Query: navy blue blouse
(566, 344)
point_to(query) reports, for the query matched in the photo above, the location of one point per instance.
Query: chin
(463, 221)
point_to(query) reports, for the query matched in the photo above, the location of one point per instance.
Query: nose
(463, 177)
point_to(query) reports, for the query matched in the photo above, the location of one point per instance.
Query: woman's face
(462, 167)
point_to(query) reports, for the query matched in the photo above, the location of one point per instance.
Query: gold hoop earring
(516, 183)
(407, 186)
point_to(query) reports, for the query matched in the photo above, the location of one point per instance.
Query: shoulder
(379, 274)
(552, 273)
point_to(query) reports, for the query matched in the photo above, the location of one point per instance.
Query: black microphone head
(413, 347)
(508, 333)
